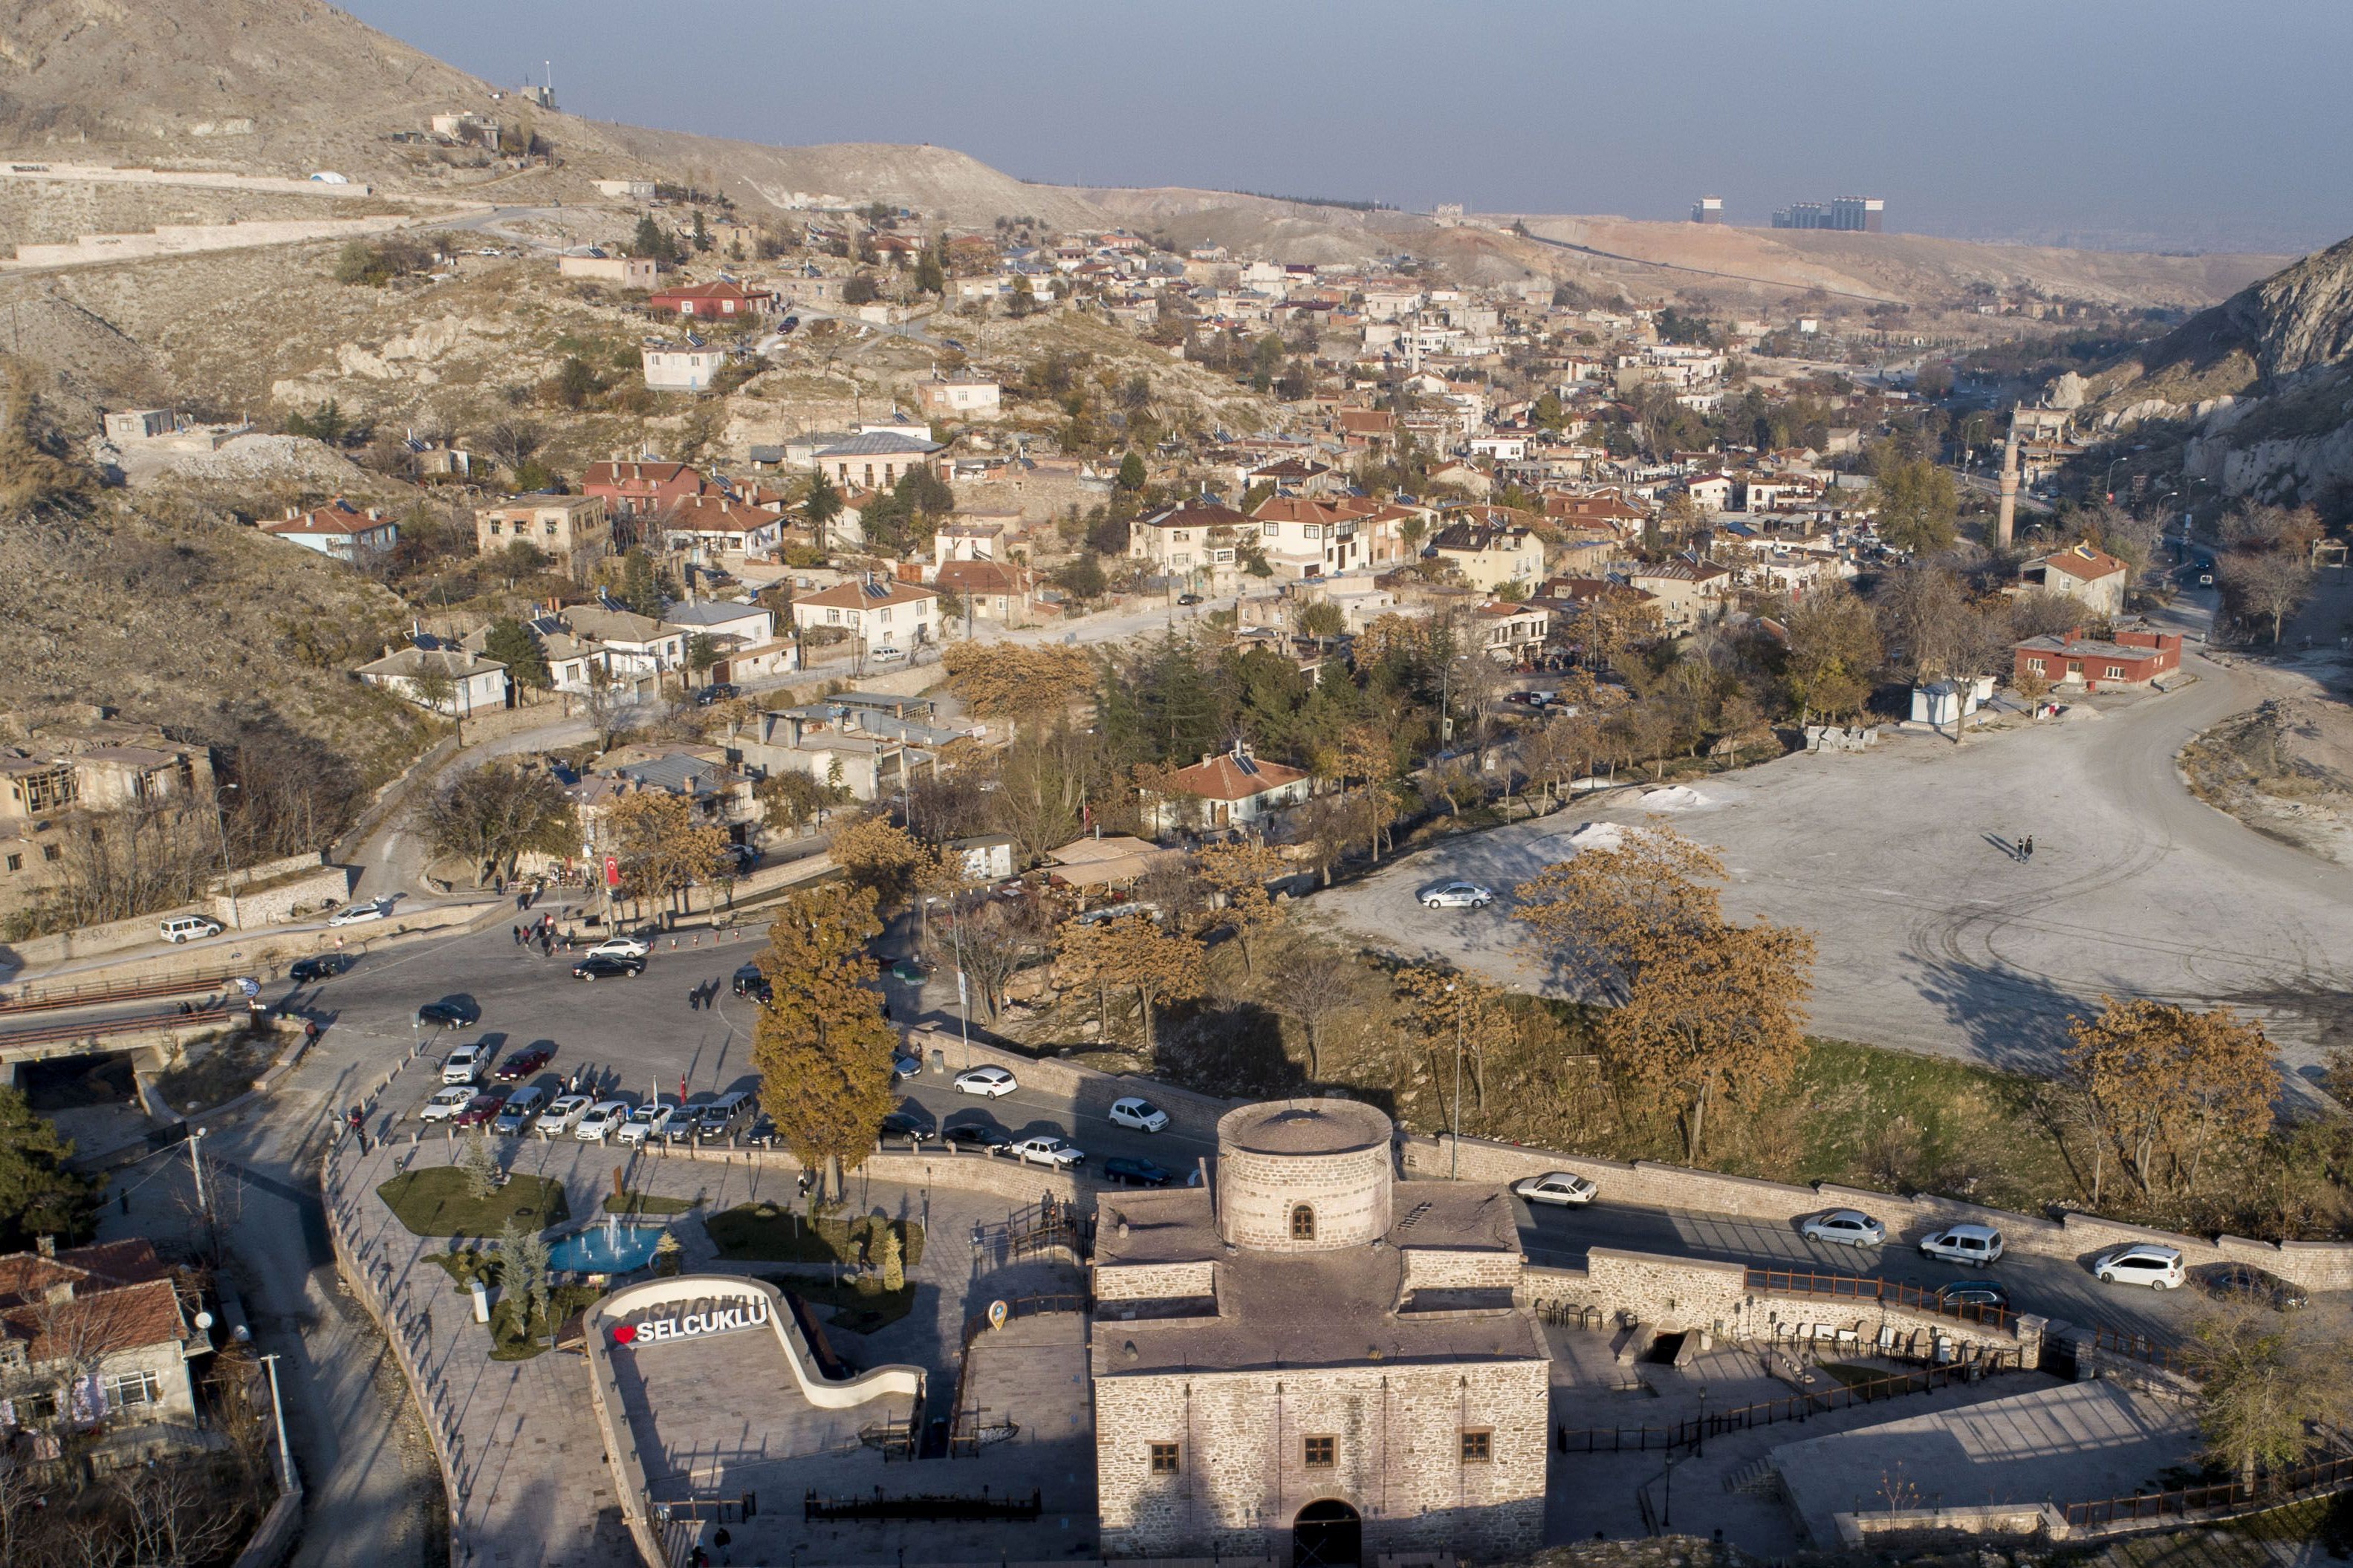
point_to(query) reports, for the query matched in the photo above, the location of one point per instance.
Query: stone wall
(292, 899)
(1396, 1451)
(1156, 1281)
(1445, 1269)
(2077, 1238)
(1347, 1192)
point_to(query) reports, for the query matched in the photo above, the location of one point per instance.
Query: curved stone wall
(1304, 1175)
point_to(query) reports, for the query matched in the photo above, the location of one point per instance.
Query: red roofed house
(95, 1335)
(884, 613)
(639, 489)
(1224, 791)
(2092, 578)
(1511, 634)
(992, 590)
(712, 301)
(338, 530)
(2130, 658)
(1365, 428)
(712, 522)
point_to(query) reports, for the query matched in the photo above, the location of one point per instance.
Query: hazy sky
(2204, 124)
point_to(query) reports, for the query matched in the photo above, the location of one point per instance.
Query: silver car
(1457, 896)
(1850, 1227)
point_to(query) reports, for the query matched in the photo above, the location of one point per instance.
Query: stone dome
(1304, 1175)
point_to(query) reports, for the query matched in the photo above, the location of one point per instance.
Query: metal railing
(2269, 1491)
(100, 1028)
(1796, 1407)
(2139, 1347)
(935, 1507)
(1023, 1307)
(31, 999)
(1894, 1293)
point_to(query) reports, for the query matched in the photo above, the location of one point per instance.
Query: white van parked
(186, 927)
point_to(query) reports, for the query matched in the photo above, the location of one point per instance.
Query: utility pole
(278, 1413)
(1454, 1144)
(197, 1164)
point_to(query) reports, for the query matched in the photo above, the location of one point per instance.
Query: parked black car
(749, 982)
(974, 1135)
(310, 971)
(2245, 1282)
(717, 692)
(449, 1013)
(600, 966)
(903, 1125)
(1137, 1173)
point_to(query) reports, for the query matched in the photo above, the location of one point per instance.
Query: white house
(960, 397)
(875, 460)
(876, 610)
(476, 684)
(673, 367)
(719, 526)
(100, 1334)
(338, 530)
(1225, 791)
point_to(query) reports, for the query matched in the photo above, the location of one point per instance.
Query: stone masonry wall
(2316, 1265)
(1436, 1269)
(1349, 1193)
(1397, 1434)
(1154, 1281)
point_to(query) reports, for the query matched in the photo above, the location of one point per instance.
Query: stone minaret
(2008, 518)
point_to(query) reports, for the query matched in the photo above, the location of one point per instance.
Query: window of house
(494, 531)
(1163, 1459)
(1303, 1224)
(2035, 665)
(1270, 528)
(2115, 672)
(15, 862)
(1316, 1453)
(125, 1389)
(883, 614)
(833, 618)
(1478, 1445)
(48, 851)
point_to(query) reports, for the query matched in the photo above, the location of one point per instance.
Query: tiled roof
(1228, 777)
(868, 594)
(880, 444)
(2085, 562)
(338, 516)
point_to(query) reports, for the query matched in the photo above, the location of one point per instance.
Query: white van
(186, 927)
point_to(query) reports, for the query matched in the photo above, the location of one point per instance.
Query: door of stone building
(1327, 1534)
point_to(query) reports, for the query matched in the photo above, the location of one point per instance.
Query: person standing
(2030, 846)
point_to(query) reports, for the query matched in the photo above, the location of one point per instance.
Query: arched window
(1303, 1224)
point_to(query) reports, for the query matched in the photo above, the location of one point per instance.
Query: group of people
(541, 934)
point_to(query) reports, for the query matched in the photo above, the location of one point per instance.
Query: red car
(525, 1062)
(480, 1110)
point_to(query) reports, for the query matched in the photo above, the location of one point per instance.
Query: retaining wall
(1091, 1091)
(2076, 1237)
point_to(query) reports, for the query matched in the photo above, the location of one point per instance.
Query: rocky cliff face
(2299, 320)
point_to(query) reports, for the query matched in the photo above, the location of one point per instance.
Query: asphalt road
(2053, 1286)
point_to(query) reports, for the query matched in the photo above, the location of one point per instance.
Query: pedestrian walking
(2030, 846)
(517, 933)
(2018, 851)
(722, 1541)
(694, 1000)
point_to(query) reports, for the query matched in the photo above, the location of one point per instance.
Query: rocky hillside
(2259, 388)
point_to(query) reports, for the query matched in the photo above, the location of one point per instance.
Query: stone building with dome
(1312, 1361)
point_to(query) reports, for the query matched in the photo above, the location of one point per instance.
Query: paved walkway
(530, 1480)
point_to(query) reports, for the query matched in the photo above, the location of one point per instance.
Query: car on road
(2141, 1263)
(515, 1116)
(718, 692)
(886, 654)
(1139, 1114)
(599, 1121)
(1058, 1153)
(449, 1013)
(446, 1103)
(310, 971)
(562, 1112)
(1188, 598)
(989, 1081)
(1130, 1171)
(621, 947)
(482, 1109)
(977, 1135)
(1850, 1227)
(188, 928)
(520, 1065)
(1457, 896)
(594, 969)
(2245, 1282)
(1563, 1189)
(359, 914)
(904, 1066)
(906, 1124)
(1964, 1244)
(466, 1064)
(1528, 699)
(1973, 1295)
(647, 1122)
(749, 982)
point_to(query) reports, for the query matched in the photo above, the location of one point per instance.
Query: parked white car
(188, 928)
(359, 914)
(1964, 1244)
(989, 1081)
(1457, 896)
(647, 1122)
(622, 947)
(2142, 1263)
(1139, 1114)
(1852, 1227)
(564, 1113)
(886, 654)
(600, 1120)
(465, 1065)
(1563, 1189)
(1058, 1153)
(446, 1102)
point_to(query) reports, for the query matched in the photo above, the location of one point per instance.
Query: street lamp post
(278, 1413)
(228, 877)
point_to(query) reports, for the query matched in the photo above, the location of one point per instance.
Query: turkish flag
(612, 872)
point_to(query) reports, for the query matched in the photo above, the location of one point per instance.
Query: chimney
(46, 1246)
(59, 1293)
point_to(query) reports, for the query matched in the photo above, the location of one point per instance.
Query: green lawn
(860, 1308)
(509, 1341)
(435, 1202)
(648, 1203)
(769, 1232)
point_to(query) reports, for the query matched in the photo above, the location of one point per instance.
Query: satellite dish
(241, 1334)
(204, 1320)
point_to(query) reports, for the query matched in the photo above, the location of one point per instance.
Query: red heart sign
(625, 1334)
